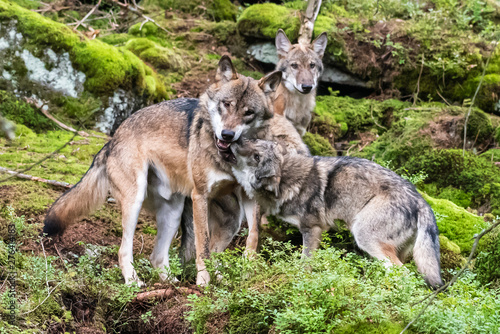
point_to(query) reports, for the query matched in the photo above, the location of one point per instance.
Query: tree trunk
(307, 21)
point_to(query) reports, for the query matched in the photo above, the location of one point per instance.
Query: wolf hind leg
(168, 220)
(131, 204)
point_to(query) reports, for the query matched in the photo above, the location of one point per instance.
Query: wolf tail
(426, 250)
(85, 196)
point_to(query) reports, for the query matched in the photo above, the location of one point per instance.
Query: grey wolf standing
(385, 213)
(168, 151)
(301, 66)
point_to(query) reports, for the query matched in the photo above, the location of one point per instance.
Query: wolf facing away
(302, 67)
(386, 215)
(166, 152)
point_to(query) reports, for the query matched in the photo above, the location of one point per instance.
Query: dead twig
(28, 312)
(35, 178)
(137, 11)
(441, 96)
(88, 14)
(44, 109)
(373, 118)
(46, 266)
(432, 296)
(474, 98)
(307, 21)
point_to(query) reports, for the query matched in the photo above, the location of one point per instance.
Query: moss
(497, 135)
(143, 30)
(457, 196)
(106, 67)
(160, 57)
(492, 155)
(447, 244)
(455, 223)
(486, 265)
(479, 127)
(222, 10)
(264, 20)
(116, 39)
(318, 145)
(23, 113)
(371, 327)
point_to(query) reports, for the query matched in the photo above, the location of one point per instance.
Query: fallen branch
(432, 296)
(35, 178)
(441, 96)
(163, 294)
(39, 105)
(86, 16)
(474, 98)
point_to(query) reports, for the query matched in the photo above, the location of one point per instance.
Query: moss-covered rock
(469, 173)
(44, 58)
(264, 20)
(456, 223)
(160, 57)
(486, 265)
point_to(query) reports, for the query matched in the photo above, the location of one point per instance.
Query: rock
(45, 60)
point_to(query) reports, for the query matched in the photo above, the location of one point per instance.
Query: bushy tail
(188, 250)
(85, 196)
(426, 250)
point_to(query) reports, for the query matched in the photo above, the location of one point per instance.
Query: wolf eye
(312, 65)
(294, 66)
(256, 157)
(226, 104)
(249, 112)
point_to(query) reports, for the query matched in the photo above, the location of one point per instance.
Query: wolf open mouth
(224, 148)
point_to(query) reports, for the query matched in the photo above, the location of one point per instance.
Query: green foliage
(222, 10)
(333, 292)
(264, 20)
(474, 175)
(143, 30)
(479, 126)
(23, 113)
(497, 135)
(486, 265)
(217, 10)
(318, 145)
(456, 223)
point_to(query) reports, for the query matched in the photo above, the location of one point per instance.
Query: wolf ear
(226, 71)
(270, 82)
(283, 44)
(319, 44)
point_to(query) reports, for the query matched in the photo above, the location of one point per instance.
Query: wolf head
(258, 166)
(301, 64)
(237, 104)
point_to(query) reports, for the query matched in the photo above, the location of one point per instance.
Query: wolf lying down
(385, 213)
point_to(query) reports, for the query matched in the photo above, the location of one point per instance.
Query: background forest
(412, 85)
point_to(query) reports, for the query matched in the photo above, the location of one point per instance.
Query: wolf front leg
(201, 235)
(253, 215)
(311, 237)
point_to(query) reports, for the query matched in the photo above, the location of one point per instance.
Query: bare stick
(374, 121)
(35, 178)
(136, 11)
(88, 14)
(432, 296)
(307, 21)
(475, 94)
(415, 96)
(441, 96)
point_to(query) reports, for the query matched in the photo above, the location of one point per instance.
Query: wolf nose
(307, 88)
(227, 135)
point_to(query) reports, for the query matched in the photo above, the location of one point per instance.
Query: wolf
(172, 150)
(385, 213)
(302, 67)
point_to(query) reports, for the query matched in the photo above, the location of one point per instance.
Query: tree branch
(307, 21)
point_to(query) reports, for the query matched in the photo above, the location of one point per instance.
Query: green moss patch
(264, 20)
(160, 57)
(318, 145)
(456, 223)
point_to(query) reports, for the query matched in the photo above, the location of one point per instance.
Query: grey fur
(385, 213)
